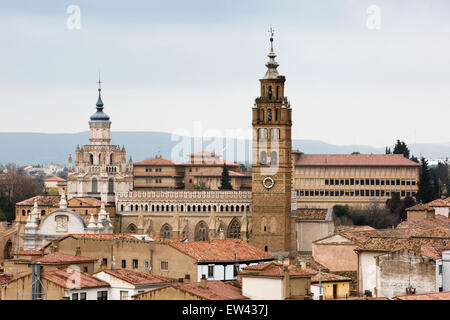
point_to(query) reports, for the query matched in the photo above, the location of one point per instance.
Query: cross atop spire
(272, 65)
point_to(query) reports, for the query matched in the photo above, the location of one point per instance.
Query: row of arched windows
(274, 134)
(91, 158)
(186, 208)
(27, 213)
(273, 158)
(94, 185)
(270, 93)
(270, 115)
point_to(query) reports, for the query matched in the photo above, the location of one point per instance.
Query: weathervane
(99, 82)
(271, 31)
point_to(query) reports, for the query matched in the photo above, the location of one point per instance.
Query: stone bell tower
(272, 164)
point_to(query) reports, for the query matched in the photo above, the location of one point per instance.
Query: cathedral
(261, 216)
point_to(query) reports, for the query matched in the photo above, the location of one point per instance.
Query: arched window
(273, 158)
(276, 114)
(266, 248)
(269, 92)
(91, 158)
(111, 185)
(94, 185)
(269, 115)
(234, 229)
(111, 159)
(7, 252)
(201, 231)
(263, 158)
(265, 134)
(131, 228)
(121, 207)
(166, 231)
(272, 134)
(99, 158)
(278, 92)
(262, 114)
(42, 212)
(24, 213)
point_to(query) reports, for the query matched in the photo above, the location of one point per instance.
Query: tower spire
(272, 65)
(99, 115)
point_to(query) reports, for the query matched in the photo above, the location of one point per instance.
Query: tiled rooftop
(54, 178)
(156, 161)
(365, 160)
(275, 269)
(62, 258)
(220, 250)
(420, 207)
(311, 214)
(439, 203)
(137, 278)
(66, 280)
(329, 277)
(426, 296)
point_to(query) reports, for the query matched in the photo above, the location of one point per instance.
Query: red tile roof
(63, 258)
(439, 203)
(426, 296)
(275, 269)
(329, 277)
(67, 280)
(5, 278)
(215, 290)
(431, 252)
(156, 161)
(311, 214)
(41, 200)
(221, 250)
(420, 207)
(54, 178)
(28, 253)
(365, 160)
(137, 278)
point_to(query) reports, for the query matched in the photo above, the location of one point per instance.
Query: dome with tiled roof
(99, 115)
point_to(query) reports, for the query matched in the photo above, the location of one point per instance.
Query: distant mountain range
(43, 148)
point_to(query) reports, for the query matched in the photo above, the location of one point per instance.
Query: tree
(225, 183)
(414, 158)
(356, 152)
(2, 215)
(401, 148)
(201, 186)
(426, 191)
(388, 150)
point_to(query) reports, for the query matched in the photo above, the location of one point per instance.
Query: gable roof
(312, 214)
(66, 280)
(439, 203)
(221, 250)
(156, 161)
(363, 160)
(276, 269)
(62, 258)
(54, 178)
(426, 296)
(137, 278)
(215, 290)
(329, 277)
(41, 200)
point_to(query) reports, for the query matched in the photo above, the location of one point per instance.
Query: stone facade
(100, 169)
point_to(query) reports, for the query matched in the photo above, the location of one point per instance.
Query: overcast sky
(167, 64)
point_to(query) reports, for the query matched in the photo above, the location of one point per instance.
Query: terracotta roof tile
(28, 253)
(354, 160)
(54, 178)
(420, 207)
(62, 258)
(431, 252)
(215, 290)
(41, 200)
(137, 278)
(328, 277)
(221, 250)
(276, 269)
(63, 278)
(439, 203)
(156, 161)
(5, 278)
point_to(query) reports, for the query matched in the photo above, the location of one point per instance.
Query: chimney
(187, 278)
(286, 283)
(180, 282)
(203, 282)
(78, 251)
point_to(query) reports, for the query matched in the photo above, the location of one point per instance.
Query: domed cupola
(99, 115)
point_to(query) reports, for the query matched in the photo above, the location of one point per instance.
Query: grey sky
(167, 64)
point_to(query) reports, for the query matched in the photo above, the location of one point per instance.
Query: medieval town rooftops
(353, 228)
(41, 200)
(420, 207)
(62, 258)
(64, 279)
(221, 250)
(363, 160)
(276, 269)
(27, 253)
(214, 290)
(431, 252)
(426, 296)
(137, 278)
(314, 214)
(110, 236)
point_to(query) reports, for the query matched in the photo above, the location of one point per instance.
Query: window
(135, 264)
(273, 158)
(94, 185)
(102, 295)
(74, 296)
(111, 185)
(440, 269)
(146, 264)
(42, 212)
(124, 264)
(269, 92)
(123, 295)
(104, 261)
(327, 182)
(269, 115)
(83, 296)
(235, 270)
(85, 269)
(210, 271)
(164, 266)
(263, 158)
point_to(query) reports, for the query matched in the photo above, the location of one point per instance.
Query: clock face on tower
(268, 182)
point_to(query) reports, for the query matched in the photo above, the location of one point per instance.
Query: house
(276, 281)
(333, 286)
(420, 212)
(440, 206)
(126, 283)
(312, 224)
(202, 290)
(58, 284)
(53, 184)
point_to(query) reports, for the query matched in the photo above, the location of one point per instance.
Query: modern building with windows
(324, 180)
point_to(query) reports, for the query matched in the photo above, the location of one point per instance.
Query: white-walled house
(441, 206)
(445, 268)
(125, 283)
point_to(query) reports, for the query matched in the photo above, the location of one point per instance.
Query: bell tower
(272, 164)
